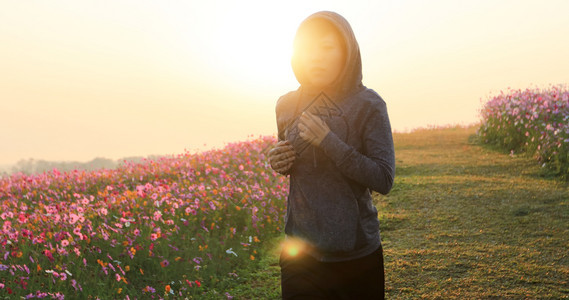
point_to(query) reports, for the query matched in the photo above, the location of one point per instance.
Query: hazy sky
(86, 79)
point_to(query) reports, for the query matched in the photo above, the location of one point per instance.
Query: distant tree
(100, 163)
(24, 166)
(132, 159)
(31, 166)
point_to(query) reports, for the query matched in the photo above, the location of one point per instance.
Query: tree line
(32, 166)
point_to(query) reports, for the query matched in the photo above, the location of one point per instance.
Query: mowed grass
(463, 221)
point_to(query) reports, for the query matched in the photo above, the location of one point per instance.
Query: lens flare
(293, 251)
(293, 246)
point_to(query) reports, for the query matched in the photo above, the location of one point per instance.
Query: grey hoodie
(329, 203)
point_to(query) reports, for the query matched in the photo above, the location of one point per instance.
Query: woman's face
(322, 59)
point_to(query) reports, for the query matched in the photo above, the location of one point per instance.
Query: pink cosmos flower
(140, 190)
(48, 254)
(22, 218)
(13, 236)
(157, 215)
(74, 283)
(73, 218)
(7, 226)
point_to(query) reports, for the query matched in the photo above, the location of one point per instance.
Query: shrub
(532, 121)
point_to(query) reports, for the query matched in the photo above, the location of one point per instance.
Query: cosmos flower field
(530, 121)
(181, 226)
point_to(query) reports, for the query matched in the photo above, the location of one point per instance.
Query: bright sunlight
(245, 51)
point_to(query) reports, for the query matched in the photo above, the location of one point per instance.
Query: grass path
(468, 222)
(463, 222)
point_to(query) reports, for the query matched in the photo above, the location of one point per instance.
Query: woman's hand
(312, 128)
(282, 157)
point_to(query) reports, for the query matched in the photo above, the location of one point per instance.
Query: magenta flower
(22, 218)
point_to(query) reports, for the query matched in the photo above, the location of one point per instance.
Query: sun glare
(243, 47)
(249, 50)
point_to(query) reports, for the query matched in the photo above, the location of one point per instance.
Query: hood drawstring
(314, 157)
(297, 114)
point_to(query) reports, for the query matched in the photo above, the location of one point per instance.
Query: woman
(335, 143)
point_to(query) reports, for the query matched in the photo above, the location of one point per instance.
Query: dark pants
(303, 277)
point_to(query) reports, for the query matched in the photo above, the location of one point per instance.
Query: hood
(350, 78)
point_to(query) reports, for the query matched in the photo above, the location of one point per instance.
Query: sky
(87, 79)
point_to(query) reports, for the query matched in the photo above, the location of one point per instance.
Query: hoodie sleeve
(375, 167)
(284, 113)
(280, 122)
